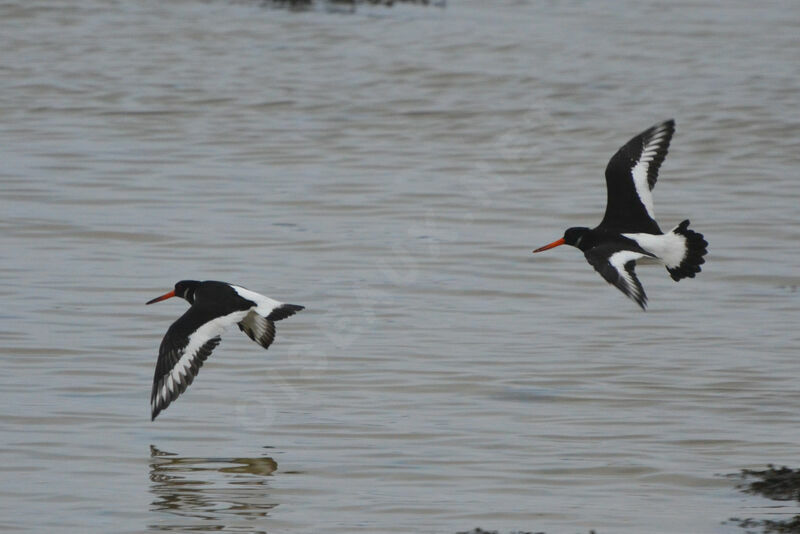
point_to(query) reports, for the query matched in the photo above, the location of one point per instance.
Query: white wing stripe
(618, 261)
(642, 187)
(639, 171)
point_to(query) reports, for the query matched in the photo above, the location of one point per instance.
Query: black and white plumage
(215, 306)
(629, 231)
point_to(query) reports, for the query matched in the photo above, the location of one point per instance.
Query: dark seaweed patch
(779, 484)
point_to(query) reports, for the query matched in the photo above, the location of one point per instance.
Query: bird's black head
(184, 289)
(573, 236)
(576, 237)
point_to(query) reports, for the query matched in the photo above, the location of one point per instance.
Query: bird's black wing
(631, 175)
(258, 328)
(617, 265)
(262, 329)
(186, 345)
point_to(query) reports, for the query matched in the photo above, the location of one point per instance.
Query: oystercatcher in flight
(629, 231)
(214, 307)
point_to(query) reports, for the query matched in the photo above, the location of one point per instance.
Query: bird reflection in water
(210, 494)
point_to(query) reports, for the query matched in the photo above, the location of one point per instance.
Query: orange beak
(165, 296)
(551, 245)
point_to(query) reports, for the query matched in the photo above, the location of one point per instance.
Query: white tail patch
(669, 248)
(264, 305)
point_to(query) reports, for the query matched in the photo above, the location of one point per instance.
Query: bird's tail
(283, 311)
(693, 255)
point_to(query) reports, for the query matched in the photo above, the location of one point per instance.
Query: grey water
(392, 168)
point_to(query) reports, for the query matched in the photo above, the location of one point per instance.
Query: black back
(209, 300)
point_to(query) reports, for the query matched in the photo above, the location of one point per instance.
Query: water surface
(391, 169)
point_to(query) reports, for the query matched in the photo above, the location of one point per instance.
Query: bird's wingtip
(283, 311)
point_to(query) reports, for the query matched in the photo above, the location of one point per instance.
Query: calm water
(391, 169)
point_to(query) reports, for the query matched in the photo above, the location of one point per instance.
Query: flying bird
(189, 341)
(629, 231)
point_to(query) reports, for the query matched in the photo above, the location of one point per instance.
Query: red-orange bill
(165, 296)
(551, 245)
